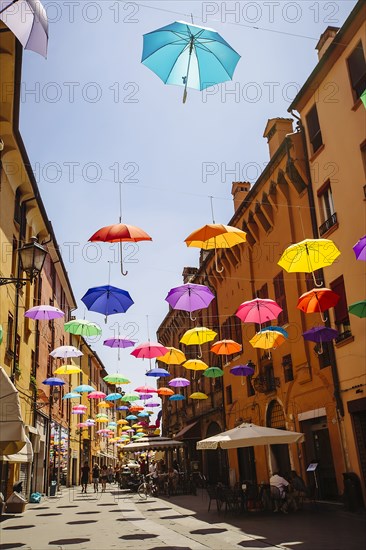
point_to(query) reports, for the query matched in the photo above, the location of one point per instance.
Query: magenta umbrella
(145, 389)
(97, 395)
(119, 343)
(259, 310)
(44, 313)
(149, 350)
(360, 249)
(152, 404)
(190, 297)
(179, 382)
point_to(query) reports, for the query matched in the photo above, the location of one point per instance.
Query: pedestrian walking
(95, 477)
(104, 477)
(110, 474)
(85, 472)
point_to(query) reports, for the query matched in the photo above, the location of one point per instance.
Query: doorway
(246, 462)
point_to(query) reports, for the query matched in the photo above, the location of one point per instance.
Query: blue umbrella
(277, 329)
(176, 397)
(113, 397)
(53, 382)
(83, 388)
(122, 408)
(187, 55)
(72, 395)
(131, 417)
(107, 300)
(157, 372)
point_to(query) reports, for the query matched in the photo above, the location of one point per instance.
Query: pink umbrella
(149, 350)
(179, 382)
(81, 407)
(102, 431)
(96, 395)
(82, 425)
(259, 310)
(44, 313)
(145, 389)
(78, 411)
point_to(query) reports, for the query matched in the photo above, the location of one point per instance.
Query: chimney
(325, 40)
(239, 191)
(188, 274)
(276, 131)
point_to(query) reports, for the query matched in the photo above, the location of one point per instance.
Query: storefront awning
(106, 455)
(24, 455)
(184, 432)
(12, 433)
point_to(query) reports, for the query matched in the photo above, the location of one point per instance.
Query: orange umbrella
(136, 408)
(165, 391)
(317, 300)
(226, 347)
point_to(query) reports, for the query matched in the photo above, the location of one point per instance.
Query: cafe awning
(24, 455)
(12, 433)
(153, 444)
(188, 433)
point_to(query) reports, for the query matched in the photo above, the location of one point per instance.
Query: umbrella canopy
(198, 395)
(113, 397)
(79, 407)
(269, 339)
(144, 396)
(165, 391)
(107, 300)
(190, 297)
(120, 232)
(242, 370)
(83, 388)
(96, 395)
(116, 378)
(67, 369)
(149, 350)
(27, 19)
(358, 309)
(360, 248)
(195, 364)
(81, 327)
(104, 405)
(177, 397)
(136, 408)
(119, 343)
(131, 417)
(309, 255)
(259, 310)
(320, 334)
(186, 55)
(226, 347)
(249, 435)
(144, 389)
(157, 372)
(179, 382)
(72, 395)
(198, 336)
(64, 352)
(152, 404)
(43, 312)
(130, 397)
(174, 357)
(122, 422)
(12, 433)
(153, 443)
(276, 329)
(143, 414)
(53, 381)
(317, 300)
(213, 372)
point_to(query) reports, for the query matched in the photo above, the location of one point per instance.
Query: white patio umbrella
(249, 435)
(27, 19)
(12, 433)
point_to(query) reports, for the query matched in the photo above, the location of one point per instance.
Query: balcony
(328, 224)
(264, 384)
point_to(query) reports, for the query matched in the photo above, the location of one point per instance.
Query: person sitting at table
(173, 477)
(283, 486)
(299, 489)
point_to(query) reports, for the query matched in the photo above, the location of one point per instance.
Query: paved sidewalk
(119, 519)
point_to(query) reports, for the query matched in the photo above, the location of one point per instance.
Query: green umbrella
(1, 334)
(116, 378)
(82, 328)
(213, 372)
(131, 397)
(363, 98)
(358, 308)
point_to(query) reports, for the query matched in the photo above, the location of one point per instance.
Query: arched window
(275, 415)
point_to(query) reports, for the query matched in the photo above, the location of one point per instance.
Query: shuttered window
(280, 297)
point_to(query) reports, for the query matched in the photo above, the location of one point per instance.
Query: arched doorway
(280, 458)
(216, 459)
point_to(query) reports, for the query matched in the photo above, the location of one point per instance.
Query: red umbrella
(96, 395)
(119, 233)
(145, 389)
(317, 300)
(149, 350)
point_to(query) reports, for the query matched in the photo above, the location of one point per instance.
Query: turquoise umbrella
(187, 55)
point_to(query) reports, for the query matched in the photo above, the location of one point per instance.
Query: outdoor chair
(231, 499)
(276, 498)
(212, 495)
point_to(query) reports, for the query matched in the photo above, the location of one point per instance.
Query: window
(287, 368)
(229, 395)
(327, 210)
(280, 297)
(341, 310)
(363, 154)
(17, 207)
(357, 71)
(10, 337)
(49, 362)
(315, 135)
(250, 389)
(324, 354)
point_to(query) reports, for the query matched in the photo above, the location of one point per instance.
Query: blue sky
(97, 116)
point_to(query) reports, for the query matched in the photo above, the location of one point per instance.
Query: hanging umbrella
(276, 329)
(157, 372)
(195, 364)
(104, 405)
(122, 408)
(190, 297)
(136, 408)
(152, 404)
(96, 395)
(360, 248)
(72, 395)
(131, 417)
(358, 309)
(317, 300)
(197, 336)
(226, 347)
(177, 397)
(149, 350)
(80, 327)
(27, 19)
(186, 55)
(242, 370)
(130, 397)
(144, 396)
(179, 382)
(119, 343)
(113, 397)
(64, 352)
(44, 312)
(53, 381)
(165, 391)
(80, 407)
(107, 300)
(309, 255)
(269, 339)
(145, 389)
(67, 369)
(122, 422)
(213, 372)
(119, 233)
(320, 335)
(82, 425)
(174, 357)
(78, 411)
(214, 236)
(143, 414)
(259, 310)
(198, 395)
(116, 378)
(84, 388)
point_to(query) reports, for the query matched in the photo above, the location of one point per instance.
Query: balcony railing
(343, 336)
(264, 384)
(328, 224)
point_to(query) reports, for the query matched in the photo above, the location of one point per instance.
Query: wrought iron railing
(328, 224)
(264, 384)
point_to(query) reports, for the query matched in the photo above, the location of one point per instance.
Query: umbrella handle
(242, 381)
(192, 318)
(324, 319)
(185, 93)
(124, 273)
(200, 352)
(216, 264)
(315, 281)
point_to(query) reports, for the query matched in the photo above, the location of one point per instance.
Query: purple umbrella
(107, 300)
(242, 370)
(122, 408)
(190, 297)
(360, 249)
(43, 313)
(53, 382)
(144, 396)
(119, 343)
(27, 19)
(152, 404)
(179, 382)
(157, 372)
(319, 335)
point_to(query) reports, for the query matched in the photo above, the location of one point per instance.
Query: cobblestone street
(118, 519)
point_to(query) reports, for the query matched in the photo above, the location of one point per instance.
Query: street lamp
(31, 259)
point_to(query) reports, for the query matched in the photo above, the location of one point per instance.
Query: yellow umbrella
(122, 422)
(216, 235)
(198, 395)
(197, 336)
(309, 255)
(267, 339)
(104, 405)
(174, 357)
(102, 419)
(195, 364)
(67, 369)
